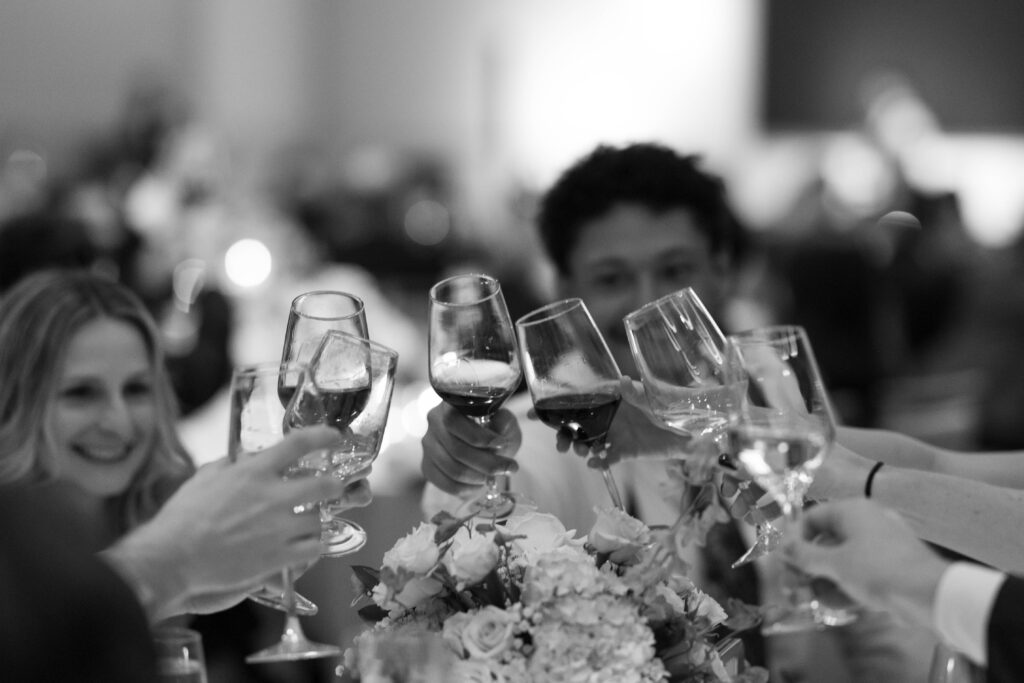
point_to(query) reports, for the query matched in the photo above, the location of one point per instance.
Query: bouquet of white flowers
(528, 600)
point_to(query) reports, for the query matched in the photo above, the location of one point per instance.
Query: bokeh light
(248, 263)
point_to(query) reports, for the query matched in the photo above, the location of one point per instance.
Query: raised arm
(970, 516)
(1001, 468)
(230, 527)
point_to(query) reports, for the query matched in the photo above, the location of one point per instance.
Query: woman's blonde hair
(39, 316)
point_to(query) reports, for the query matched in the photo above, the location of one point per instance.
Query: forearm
(976, 519)
(892, 448)
(999, 468)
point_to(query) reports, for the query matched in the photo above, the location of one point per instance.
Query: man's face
(630, 257)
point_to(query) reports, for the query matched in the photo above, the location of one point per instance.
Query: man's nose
(646, 290)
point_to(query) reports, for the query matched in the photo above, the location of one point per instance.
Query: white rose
(706, 606)
(543, 532)
(452, 632)
(489, 632)
(473, 671)
(621, 536)
(415, 552)
(471, 557)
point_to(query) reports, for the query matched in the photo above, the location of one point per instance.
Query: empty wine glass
(311, 316)
(780, 431)
(356, 379)
(572, 376)
(474, 362)
(682, 356)
(260, 417)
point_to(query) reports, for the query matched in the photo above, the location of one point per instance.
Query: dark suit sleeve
(1006, 634)
(64, 614)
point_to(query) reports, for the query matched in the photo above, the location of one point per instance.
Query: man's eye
(677, 272)
(608, 279)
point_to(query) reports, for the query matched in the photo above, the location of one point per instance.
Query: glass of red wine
(311, 316)
(474, 362)
(260, 419)
(573, 377)
(355, 377)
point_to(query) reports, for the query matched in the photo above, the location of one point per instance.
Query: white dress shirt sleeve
(963, 604)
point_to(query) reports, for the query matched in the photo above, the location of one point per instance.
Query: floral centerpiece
(528, 600)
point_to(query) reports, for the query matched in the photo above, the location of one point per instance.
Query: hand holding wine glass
(474, 362)
(573, 377)
(780, 432)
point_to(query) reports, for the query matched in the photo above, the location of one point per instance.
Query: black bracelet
(871, 478)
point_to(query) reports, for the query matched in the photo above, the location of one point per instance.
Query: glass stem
(609, 480)
(491, 493)
(795, 585)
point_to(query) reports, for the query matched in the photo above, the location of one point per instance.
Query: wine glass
(474, 362)
(260, 417)
(310, 317)
(780, 431)
(682, 356)
(356, 378)
(573, 377)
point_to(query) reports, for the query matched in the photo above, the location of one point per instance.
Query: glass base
(292, 650)
(491, 505)
(341, 537)
(813, 616)
(267, 597)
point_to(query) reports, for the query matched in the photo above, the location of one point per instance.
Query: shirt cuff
(963, 605)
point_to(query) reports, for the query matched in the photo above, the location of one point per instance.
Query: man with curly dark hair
(624, 226)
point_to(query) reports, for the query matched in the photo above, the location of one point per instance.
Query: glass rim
(176, 632)
(768, 334)
(377, 347)
(269, 366)
(479, 277)
(552, 310)
(360, 306)
(651, 305)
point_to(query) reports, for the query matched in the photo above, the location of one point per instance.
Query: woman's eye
(78, 392)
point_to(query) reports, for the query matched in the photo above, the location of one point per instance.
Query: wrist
(154, 574)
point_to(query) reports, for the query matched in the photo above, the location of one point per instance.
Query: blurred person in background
(87, 411)
(623, 227)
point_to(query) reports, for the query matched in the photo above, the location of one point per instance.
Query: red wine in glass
(476, 388)
(586, 416)
(334, 408)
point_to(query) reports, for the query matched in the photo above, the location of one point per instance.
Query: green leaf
(366, 578)
(446, 528)
(372, 613)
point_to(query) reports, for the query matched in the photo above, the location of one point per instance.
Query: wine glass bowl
(474, 361)
(573, 378)
(780, 431)
(681, 355)
(360, 375)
